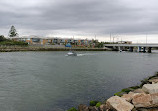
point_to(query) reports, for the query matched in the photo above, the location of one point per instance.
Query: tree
(100, 45)
(2, 38)
(12, 32)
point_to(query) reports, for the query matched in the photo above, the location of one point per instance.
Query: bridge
(130, 47)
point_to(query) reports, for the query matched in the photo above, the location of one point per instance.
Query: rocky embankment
(137, 98)
(43, 48)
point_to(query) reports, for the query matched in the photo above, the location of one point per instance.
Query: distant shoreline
(25, 48)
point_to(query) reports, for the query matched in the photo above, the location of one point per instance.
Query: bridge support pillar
(149, 49)
(144, 49)
(119, 48)
(139, 49)
(131, 49)
(115, 48)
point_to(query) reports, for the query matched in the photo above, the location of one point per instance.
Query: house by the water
(37, 40)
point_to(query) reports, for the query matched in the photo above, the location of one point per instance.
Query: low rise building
(36, 40)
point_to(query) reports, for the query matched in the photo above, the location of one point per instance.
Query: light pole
(110, 37)
(146, 38)
(113, 39)
(117, 39)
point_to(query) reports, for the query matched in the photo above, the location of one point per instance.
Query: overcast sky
(127, 19)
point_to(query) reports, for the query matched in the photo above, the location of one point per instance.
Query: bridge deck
(132, 45)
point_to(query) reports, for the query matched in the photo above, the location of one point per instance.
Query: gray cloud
(90, 16)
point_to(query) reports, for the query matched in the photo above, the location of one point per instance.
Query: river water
(51, 81)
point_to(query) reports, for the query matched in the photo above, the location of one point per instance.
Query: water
(51, 81)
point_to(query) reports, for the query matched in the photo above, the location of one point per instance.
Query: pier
(130, 47)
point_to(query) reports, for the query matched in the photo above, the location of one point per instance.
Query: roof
(42, 37)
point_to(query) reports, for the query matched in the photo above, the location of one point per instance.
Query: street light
(146, 38)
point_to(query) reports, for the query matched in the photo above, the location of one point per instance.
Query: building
(36, 40)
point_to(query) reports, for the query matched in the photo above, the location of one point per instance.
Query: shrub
(93, 103)
(119, 93)
(144, 81)
(127, 90)
(134, 87)
(10, 42)
(98, 104)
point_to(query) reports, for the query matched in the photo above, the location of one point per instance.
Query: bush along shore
(137, 98)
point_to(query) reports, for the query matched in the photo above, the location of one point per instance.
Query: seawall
(36, 48)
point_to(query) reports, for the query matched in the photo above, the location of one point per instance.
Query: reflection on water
(50, 81)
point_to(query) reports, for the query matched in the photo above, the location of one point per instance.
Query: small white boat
(71, 53)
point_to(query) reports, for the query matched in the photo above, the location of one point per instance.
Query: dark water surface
(51, 81)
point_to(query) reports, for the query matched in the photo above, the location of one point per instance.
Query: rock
(93, 108)
(138, 91)
(82, 107)
(147, 109)
(134, 109)
(153, 80)
(128, 97)
(145, 100)
(150, 88)
(142, 100)
(154, 98)
(103, 107)
(119, 104)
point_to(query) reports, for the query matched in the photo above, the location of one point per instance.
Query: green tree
(99, 45)
(2, 38)
(12, 32)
